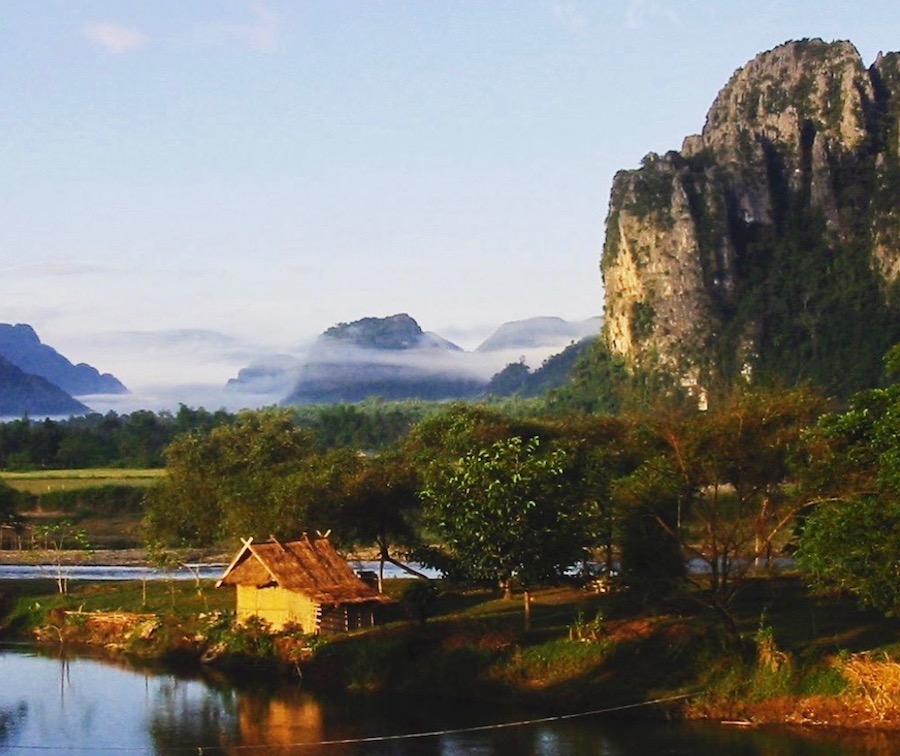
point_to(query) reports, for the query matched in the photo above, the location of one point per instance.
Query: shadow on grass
(811, 625)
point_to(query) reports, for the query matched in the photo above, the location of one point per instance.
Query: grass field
(43, 481)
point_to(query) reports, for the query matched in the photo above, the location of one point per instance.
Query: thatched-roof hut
(304, 582)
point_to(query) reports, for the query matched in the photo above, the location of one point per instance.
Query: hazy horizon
(191, 186)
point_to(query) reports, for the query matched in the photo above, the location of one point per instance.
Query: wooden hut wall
(339, 618)
(332, 618)
(277, 606)
(359, 616)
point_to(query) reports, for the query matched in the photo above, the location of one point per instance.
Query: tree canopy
(851, 538)
(504, 513)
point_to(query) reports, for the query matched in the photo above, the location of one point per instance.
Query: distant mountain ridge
(538, 332)
(393, 358)
(517, 379)
(24, 394)
(20, 345)
(395, 332)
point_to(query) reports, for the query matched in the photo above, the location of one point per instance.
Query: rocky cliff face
(771, 242)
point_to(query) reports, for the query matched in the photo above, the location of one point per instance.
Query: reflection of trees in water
(187, 714)
(12, 718)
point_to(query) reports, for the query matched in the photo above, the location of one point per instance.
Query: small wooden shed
(304, 582)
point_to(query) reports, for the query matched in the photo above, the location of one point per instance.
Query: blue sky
(190, 184)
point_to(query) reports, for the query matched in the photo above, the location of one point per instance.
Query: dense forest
(139, 439)
(523, 490)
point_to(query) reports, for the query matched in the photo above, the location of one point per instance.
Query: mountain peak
(24, 394)
(770, 245)
(395, 333)
(22, 347)
(544, 331)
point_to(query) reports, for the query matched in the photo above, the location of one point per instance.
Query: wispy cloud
(639, 13)
(189, 338)
(115, 38)
(60, 269)
(568, 15)
(261, 35)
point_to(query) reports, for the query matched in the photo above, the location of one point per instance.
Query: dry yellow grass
(877, 681)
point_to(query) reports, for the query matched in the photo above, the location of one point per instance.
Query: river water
(54, 704)
(204, 571)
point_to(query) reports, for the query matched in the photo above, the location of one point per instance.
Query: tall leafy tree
(853, 545)
(717, 483)
(503, 511)
(599, 455)
(380, 506)
(9, 500)
(236, 480)
(851, 538)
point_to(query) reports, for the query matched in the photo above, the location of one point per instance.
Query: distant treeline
(138, 439)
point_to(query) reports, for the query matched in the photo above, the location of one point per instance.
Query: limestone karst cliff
(770, 244)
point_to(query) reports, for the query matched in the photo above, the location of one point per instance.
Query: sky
(190, 185)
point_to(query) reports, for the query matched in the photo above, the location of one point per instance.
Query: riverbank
(798, 659)
(105, 557)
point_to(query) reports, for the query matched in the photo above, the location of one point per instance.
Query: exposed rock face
(771, 242)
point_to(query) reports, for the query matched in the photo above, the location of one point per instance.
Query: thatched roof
(310, 567)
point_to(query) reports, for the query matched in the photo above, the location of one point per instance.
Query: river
(133, 572)
(56, 704)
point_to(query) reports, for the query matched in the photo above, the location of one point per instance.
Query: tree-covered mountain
(391, 358)
(395, 333)
(20, 345)
(517, 379)
(21, 393)
(769, 246)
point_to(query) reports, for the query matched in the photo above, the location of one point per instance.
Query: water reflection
(184, 712)
(51, 703)
(288, 717)
(84, 705)
(12, 718)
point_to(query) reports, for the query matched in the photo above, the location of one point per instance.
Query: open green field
(44, 481)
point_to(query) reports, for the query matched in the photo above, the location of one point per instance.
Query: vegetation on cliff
(765, 249)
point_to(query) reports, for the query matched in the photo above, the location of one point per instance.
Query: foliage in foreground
(851, 539)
